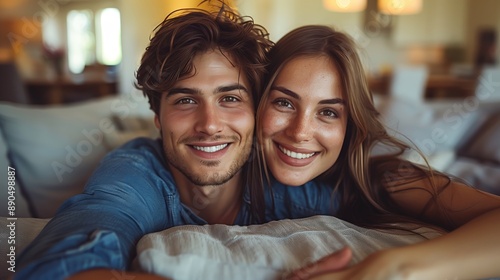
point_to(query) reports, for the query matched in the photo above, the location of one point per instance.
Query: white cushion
(437, 128)
(267, 251)
(56, 148)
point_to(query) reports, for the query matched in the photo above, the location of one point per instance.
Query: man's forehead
(224, 57)
(216, 66)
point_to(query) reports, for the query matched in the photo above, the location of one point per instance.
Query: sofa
(54, 149)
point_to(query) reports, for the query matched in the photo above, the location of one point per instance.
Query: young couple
(315, 124)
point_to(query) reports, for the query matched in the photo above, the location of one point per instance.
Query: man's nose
(302, 128)
(209, 120)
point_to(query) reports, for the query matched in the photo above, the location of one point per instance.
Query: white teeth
(210, 149)
(294, 154)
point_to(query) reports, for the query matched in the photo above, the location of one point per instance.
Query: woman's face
(304, 120)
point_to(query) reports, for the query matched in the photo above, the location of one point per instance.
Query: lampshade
(345, 5)
(400, 7)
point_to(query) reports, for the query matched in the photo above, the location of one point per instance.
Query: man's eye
(230, 99)
(281, 102)
(185, 101)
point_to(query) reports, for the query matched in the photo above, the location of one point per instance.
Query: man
(202, 74)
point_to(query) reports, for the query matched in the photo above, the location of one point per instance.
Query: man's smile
(210, 149)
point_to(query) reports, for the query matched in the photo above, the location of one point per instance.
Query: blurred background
(104, 39)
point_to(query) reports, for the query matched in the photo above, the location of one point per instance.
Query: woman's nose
(302, 128)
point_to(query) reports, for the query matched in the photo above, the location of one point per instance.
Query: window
(81, 45)
(93, 38)
(109, 51)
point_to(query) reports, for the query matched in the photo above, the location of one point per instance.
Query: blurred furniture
(12, 87)
(408, 82)
(488, 84)
(437, 86)
(486, 47)
(47, 90)
(450, 86)
(455, 135)
(478, 159)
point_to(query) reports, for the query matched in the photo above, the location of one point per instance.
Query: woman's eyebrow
(296, 96)
(333, 101)
(286, 91)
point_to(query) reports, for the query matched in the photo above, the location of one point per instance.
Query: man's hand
(331, 263)
(107, 274)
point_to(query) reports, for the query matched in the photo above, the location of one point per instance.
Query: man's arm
(100, 227)
(106, 274)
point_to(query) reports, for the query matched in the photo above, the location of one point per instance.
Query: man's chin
(202, 180)
(203, 174)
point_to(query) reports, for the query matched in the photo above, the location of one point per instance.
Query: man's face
(207, 122)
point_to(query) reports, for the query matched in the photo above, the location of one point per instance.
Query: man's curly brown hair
(187, 32)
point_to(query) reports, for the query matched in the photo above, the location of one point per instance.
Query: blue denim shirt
(132, 194)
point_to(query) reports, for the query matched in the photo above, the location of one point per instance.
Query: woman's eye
(280, 102)
(185, 101)
(329, 113)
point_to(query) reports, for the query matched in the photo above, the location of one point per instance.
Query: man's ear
(157, 122)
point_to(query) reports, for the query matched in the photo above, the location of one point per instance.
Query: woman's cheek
(273, 122)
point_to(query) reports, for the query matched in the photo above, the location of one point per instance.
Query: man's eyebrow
(230, 88)
(296, 96)
(181, 90)
(174, 91)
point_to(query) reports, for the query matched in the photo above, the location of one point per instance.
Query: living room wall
(440, 24)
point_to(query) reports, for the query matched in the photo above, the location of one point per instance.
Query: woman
(317, 120)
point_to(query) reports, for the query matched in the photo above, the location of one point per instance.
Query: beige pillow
(267, 251)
